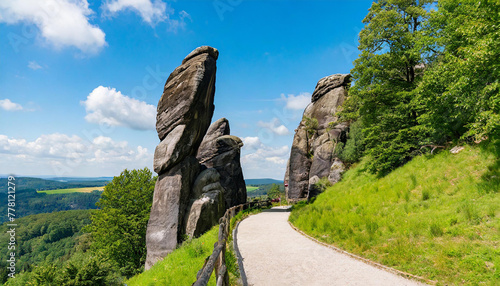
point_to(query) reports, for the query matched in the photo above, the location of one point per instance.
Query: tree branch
(433, 147)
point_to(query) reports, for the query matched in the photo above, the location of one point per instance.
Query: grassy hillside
(437, 217)
(181, 266)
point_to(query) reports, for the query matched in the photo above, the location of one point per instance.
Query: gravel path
(275, 254)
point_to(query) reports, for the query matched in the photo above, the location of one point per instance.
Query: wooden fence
(217, 261)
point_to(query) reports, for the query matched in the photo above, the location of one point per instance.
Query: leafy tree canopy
(424, 76)
(119, 227)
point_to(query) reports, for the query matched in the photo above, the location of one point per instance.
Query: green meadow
(251, 188)
(72, 190)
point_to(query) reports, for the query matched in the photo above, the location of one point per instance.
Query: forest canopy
(427, 75)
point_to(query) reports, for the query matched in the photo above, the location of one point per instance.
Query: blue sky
(80, 81)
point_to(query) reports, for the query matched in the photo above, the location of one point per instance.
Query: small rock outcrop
(190, 197)
(208, 147)
(312, 155)
(221, 151)
(208, 203)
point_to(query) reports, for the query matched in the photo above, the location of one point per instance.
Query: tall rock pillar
(312, 154)
(184, 114)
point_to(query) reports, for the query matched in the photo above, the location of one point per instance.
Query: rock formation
(189, 197)
(208, 205)
(313, 148)
(221, 151)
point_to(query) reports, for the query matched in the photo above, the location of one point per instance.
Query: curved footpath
(275, 254)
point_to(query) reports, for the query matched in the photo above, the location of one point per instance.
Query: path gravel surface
(275, 254)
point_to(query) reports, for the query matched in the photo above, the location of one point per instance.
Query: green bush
(353, 149)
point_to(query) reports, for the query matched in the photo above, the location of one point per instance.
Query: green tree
(119, 227)
(460, 90)
(83, 269)
(274, 192)
(353, 148)
(385, 76)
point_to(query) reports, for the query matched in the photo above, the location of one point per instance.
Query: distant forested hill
(255, 190)
(45, 239)
(27, 183)
(29, 202)
(266, 181)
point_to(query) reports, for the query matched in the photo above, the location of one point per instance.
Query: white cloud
(60, 154)
(8, 105)
(46, 146)
(109, 106)
(264, 161)
(62, 23)
(276, 160)
(151, 12)
(275, 126)
(174, 25)
(296, 102)
(34, 65)
(251, 142)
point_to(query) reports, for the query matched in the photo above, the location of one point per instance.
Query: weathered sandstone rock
(208, 148)
(170, 201)
(208, 203)
(312, 154)
(187, 100)
(184, 114)
(187, 202)
(299, 166)
(336, 171)
(222, 152)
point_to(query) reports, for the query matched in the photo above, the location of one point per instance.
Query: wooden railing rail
(217, 260)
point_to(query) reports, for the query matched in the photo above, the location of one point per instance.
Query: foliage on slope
(29, 202)
(437, 217)
(118, 228)
(44, 239)
(62, 252)
(423, 77)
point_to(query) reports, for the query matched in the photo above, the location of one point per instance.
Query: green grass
(72, 190)
(437, 217)
(251, 188)
(181, 266)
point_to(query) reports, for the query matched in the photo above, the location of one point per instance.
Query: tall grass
(437, 217)
(181, 266)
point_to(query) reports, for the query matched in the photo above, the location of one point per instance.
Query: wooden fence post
(216, 265)
(217, 261)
